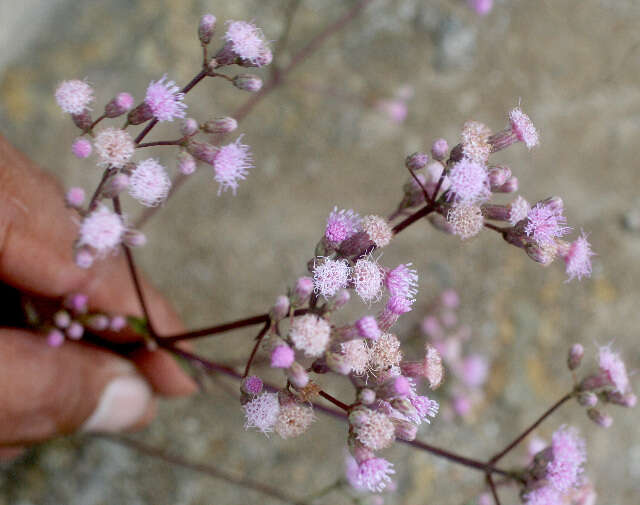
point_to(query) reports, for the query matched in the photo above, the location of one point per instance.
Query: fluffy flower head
(475, 141)
(330, 276)
(614, 369)
(469, 182)
(102, 230)
(578, 258)
(149, 183)
(375, 430)
(402, 281)
(385, 353)
(231, 164)
(378, 230)
(545, 223)
(523, 128)
(262, 412)
(165, 100)
(569, 455)
(518, 210)
(372, 474)
(341, 225)
(356, 355)
(74, 96)
(466, 220)
(293, 420)
(246, 40)
(114, 147)
(310, 334)
(367, 278)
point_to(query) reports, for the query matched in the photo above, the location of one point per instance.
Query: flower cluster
(468, 371)
(460, 183)
(71, 321)
(102, 230)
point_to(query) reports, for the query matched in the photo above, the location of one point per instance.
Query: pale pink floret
(469, 182)
(74, 96)
(102, 230)
(614, 369)
(246, 40)
(378, 230)
(466, 220)
(545, 495)
(425, 408)
(523, 128)
(518, 210)
(569, 455)
(114, 147)
(330, 276)
(282, 356)
(384, 353)
(578, 258)
(252, 385)
(293, 420)
(149, 183)
(356, 355)
(81, 148)
(375, 430)
(373, 474)
(231, 164)
(55, 338)
(341, 225)
(475, 144)
(545, 223)
(262, 412)
(367, 278)
(367, 327)
(75, 197)
(164, 99)
(310, 334)
(402, 281)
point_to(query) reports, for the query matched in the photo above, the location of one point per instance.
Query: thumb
(52, 391)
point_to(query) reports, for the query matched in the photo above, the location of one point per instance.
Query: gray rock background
(574, 66)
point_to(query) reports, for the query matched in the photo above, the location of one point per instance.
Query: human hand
(47, 391)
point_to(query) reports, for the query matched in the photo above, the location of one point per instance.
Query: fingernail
(123, 403)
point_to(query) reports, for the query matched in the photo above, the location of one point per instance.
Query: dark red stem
(494, 491)
(256, 346)
(521, 437)
(334, 400)
(419, 214)
(161, 143)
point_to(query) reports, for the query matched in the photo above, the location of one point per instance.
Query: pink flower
(367, 279)
(119, 105)
(378, 230)
(374, 429)
(545, 223)
(545, 495)
(231, 164)
(282, 356)
(469, 182)
(373, 474)
(149, 183)
(114, 147)
(367, 327)
(330, 276)
(523, 128)
(578, 258)
(310, 334)
(482, 7)
(569, 454)
(246, 41)
(101, 230)
(341, 225)
(75, 197)
(262, 412)
(475, 141)
(402, 281)
(81, 148)
(293, 420)
(356, 355)
(614, 369)
(55, 338)
(518, 210)
(466, 220)
(164, 99)
(425, 408)
(252, 385)
(74, 96)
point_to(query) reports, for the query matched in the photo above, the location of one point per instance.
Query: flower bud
(405, 407)
(341, 299)
(82, 120)
(511, 186)
(416, 161)
(554, 204)
(55, 338)
(83, 257)
(303, 290)
(75, 197)
(280, 309)
(358, 417)
(541, 254)
(186, 163)
(206, 27)
(247, 82)
(81, 148)
(189, 127)
(77, 303)
(498, 175)
(140, 114)
(75, 331)
(62, 319)
(251, 385)
(282, 356)
(338, 363)
(202, 151)
(575, 356)
(367, 396)
(116, 185)
(297, 375)
(404, 430)
(628, 400)
(601, 419)
(587, 399)
(221, 125)
(135, 238)
(98, 322)
(118, 105)
(496, 212)
(117, 323)
(439, 149)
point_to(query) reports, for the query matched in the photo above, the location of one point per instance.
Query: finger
(47, 392)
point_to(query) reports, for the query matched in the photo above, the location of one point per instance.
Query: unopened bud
(118, 105)
(116, 185)
(357, 245)
(75, 197)
(140, 114)
(303, 290)
(189, 127)
(404, 406)
(280, 309)
(511, 186)
(341, 299)
(247, 82)
(282, 356)
(98, 322)
(135, 238)
(62, 319)
(416, 161)
(202, 151)
(55, 338)
(367, 396)
(541, 254)
(587, 399)
(498, 175)
(575, 356)
(84, 257)
(396, 387)
(82, 120)
(405, 430)
(186, 163)
(628, 400)
(338, 363)
(297, 375)
(75, 331)
(554, 204)
(439, 149)
(206, 27)
(251, 385)
(221, 125)
(601, 419)
(358, 417)
(496, 212)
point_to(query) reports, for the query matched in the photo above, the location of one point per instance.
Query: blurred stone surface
(218, 258)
